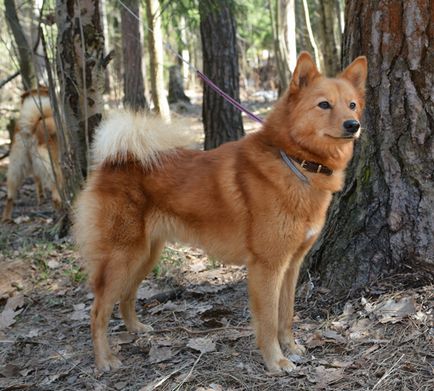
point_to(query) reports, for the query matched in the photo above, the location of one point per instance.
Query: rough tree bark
(81, 66)
(221, 120)
(134, 88)
(383, 221)
(24, 51)
(155, 42)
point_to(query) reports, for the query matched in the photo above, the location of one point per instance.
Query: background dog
(33, 142)
(240, 202)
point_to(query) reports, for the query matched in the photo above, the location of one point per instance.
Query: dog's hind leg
(111, 282)
(108, 284)
(127, 304)
(19, 168)
(265, 281)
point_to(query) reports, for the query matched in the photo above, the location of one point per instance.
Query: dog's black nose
(351, 126)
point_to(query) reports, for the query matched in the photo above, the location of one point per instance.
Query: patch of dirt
(202, 338)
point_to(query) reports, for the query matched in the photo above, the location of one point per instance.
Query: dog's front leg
(265, 281)
(286, 307)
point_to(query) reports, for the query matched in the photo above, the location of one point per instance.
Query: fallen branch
(202, 331)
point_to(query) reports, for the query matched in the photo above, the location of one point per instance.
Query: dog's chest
(312, 231)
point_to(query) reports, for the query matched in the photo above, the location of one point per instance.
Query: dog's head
(323, 114)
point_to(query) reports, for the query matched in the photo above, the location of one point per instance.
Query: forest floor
(202, 338)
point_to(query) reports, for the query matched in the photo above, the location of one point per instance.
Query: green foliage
(169, 261)
(75, 273)
(254, 24)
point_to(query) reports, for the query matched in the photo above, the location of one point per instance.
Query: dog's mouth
(343, 137)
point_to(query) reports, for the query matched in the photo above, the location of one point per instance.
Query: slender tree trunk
(155, 41)
(284, 40)
(302, 34)
(176, 85)
(81, 66)
(24, 51)
(184, 49)
(221, 120)
(134, 88)
(310, 34)
(329, 37)
(105, 28)
(383, 221)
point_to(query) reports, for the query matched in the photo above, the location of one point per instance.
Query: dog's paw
(298, 349)
(287, 340)
(280, 367)
(140, 328)
(108, 363)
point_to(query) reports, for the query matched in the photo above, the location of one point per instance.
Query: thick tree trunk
(81, 70)
(24, 51)
(155, 41)
(383, 221)
(221, 120)
(134, 88)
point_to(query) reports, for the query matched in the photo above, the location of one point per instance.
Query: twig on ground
(178, 387)
(388, 373)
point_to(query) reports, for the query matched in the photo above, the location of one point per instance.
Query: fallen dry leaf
(53, 264)
(203, 345)
(80, 312)
(325, 376)
(341, 364)
(315, 340)
(21, 219)
(14, 302)
(395, 311)
(160, 353)
(169, 306)
(7, 318)
(333, 336)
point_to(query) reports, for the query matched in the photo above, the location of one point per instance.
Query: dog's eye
(352, 106)
(324, 105)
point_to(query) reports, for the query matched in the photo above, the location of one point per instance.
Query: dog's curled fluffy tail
(125, 135)
(33, 109)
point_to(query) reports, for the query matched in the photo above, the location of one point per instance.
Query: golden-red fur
(33, 141)
(239, 202)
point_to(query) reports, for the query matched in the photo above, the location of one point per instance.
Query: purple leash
(227, 97)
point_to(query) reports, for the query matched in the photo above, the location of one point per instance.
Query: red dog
(240, 202)
(33, 141)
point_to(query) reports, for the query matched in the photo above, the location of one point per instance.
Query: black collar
(306, 165)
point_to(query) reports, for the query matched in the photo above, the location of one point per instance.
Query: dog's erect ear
(356, 73)
(305, 71)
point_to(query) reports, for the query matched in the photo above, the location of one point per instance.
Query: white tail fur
(33, 108)
(142, 136)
